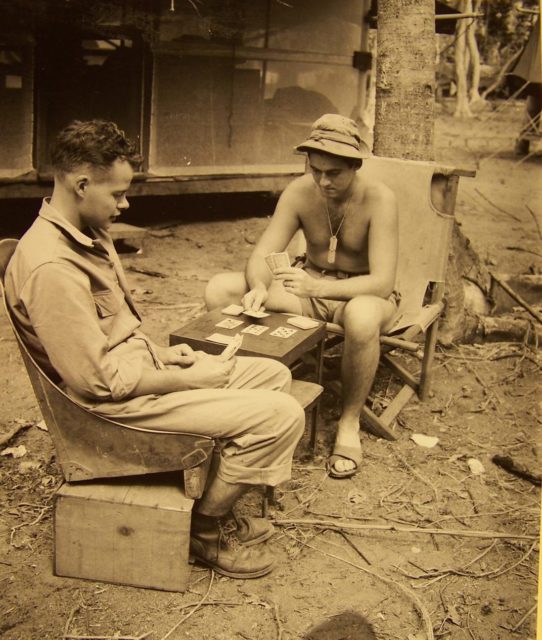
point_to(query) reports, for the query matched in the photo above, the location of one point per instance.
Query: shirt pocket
(107, 304)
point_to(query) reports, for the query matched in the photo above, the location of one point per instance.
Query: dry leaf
(424, 441)
(16, 452)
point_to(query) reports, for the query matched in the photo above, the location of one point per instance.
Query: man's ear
(80, 185)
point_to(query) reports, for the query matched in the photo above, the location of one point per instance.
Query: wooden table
(285, 350)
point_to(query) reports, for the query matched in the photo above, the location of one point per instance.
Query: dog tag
(332, 249)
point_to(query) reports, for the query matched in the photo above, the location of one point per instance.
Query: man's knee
(363, 318)
(290, 415)
(223, 289)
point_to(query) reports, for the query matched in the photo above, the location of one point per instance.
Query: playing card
(282, 332)
(255, 314)
(277, 260)
(228, 323)
(233, 310)
(255, 329)
(302, 322)
(221, 338)
(232, 348)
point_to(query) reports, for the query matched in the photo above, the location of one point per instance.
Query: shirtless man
(350, 226)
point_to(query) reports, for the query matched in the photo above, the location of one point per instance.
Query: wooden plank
(306, 393)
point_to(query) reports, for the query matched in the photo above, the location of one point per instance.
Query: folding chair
(426, 196)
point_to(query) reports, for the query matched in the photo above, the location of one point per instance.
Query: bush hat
(336, 135)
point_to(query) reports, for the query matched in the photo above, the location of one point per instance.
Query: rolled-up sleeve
(87, 342)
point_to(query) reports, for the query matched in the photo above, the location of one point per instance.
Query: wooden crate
(132, 531)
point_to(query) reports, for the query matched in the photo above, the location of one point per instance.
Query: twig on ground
(115, 637)
(147, 272)
(355, 547)
(523, 618)
(536, 220)
(497, 206)
(307, 500)
(468, 533)
(280, 628)
(515, 296)
(514, 248)
(408, 592)
(198, 605)
(418, 475)
(28, 524)
(516, 469)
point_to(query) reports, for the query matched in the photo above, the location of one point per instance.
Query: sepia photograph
(271, 280)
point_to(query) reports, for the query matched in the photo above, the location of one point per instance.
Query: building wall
(16, 105)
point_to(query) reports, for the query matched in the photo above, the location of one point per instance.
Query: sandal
(342, 452)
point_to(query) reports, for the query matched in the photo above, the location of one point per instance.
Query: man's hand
(181, 355)
(208, 372)
(298, 282)
(255, 298)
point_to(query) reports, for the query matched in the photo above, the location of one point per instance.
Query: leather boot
(221, 550)
(250, 530)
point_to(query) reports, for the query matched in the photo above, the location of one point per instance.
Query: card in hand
(278, 260)
(232, 348)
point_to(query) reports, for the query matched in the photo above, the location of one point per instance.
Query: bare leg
(362, 320)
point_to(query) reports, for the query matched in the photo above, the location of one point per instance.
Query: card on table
(255, 314)
(277, 260)
(255, 329)
(221, 338)
(233, 310)
(282, 332)
(228, 323)
(302, 322)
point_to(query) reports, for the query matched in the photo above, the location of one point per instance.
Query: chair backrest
(89, 446)
(424, 231)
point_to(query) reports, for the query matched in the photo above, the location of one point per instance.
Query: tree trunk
(474, 91)
(405, 82)
(462, 109)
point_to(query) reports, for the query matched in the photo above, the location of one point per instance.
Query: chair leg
(426, 375)
(314, 427)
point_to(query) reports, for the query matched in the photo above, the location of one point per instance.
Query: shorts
(326, 309)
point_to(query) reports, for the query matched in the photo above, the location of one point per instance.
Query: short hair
(96, 143)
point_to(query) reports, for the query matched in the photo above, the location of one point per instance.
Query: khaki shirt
(73, 308)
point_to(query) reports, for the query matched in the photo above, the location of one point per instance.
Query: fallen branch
(4, 439)
(516, 469)
(115, 637)
(523, 618)
(497, 206)
(352, 526)
(280, 628)
(515, 296)
(147, 272)
(536, 220)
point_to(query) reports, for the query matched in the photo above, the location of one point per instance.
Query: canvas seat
(425, 196)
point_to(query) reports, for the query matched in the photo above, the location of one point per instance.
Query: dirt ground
(469, 570)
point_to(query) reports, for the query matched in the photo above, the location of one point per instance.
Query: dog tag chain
(333, 238)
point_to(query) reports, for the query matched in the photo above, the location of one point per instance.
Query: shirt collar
(49, 213)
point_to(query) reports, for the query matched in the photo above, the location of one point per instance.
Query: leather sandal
(342, 452)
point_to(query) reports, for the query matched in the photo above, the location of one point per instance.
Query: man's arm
(279, 232)
(382, 248)
(62, 311)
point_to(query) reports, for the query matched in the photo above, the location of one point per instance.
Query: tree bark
(474, 91)
(462, 109)
(405, 79)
